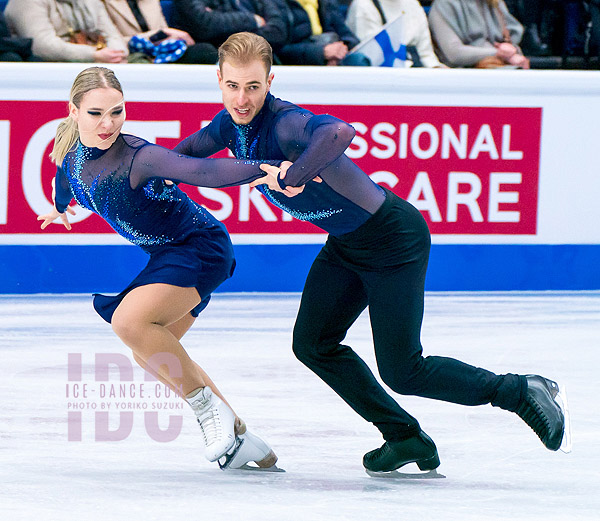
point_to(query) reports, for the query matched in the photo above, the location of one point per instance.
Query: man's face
(244, 88)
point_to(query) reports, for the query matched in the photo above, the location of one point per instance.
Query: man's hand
(335, 51)
(272, 182)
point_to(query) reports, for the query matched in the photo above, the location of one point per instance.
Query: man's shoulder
(281, 108)
(220, 118)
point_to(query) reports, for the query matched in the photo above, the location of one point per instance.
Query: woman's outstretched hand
(53, 215)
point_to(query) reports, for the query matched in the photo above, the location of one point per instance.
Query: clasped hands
(275, 173)
(510, 54)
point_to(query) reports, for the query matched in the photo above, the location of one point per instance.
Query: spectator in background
(530, 13)
(145, 18)
(476, 33)
(13, 48)
(595, 29)
(366, 18)
(213, 21)
(55, 26)
(318, 35)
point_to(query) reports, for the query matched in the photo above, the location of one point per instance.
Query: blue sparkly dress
(125, 185)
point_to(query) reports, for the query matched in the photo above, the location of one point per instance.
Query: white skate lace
(210, 425)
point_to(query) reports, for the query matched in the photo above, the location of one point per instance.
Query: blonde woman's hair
(242, 48)
(87, 80)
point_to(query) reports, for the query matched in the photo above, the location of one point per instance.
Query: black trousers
(382, 265)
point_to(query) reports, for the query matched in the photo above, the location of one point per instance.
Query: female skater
(129, 182)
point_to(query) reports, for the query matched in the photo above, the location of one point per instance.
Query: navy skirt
(204, 261)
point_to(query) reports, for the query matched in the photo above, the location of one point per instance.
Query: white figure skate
(249, 448)
(216, 421)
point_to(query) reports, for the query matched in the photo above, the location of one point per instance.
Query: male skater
(376, 255)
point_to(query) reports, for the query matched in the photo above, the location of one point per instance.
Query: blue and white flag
(386, 49)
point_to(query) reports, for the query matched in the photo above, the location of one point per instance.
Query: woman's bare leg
(179, 329)
(142, 321)
(182, 326)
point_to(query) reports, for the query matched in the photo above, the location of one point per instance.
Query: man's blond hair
(243, 48)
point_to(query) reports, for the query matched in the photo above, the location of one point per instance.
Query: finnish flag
(386, 49)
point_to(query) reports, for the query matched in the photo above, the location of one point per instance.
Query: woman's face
(99, 118)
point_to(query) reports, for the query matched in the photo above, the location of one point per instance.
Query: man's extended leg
(332, 300)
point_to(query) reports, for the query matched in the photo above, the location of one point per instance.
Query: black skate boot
(392, 455)
(541, 412)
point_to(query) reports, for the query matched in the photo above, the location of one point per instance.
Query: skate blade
(561, 399)
(228, 457)
(252, 468)
(269, 459)
(394, 474)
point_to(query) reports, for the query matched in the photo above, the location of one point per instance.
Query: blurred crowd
(519, 34)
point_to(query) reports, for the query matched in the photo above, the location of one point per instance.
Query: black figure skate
(392, 455)
(545, 409)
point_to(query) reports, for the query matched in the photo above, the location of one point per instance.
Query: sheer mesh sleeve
(205, 142)
(156, 161)
(62, 188)
(312, 143)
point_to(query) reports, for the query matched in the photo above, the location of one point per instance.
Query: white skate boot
(250, 448)
(216, 421)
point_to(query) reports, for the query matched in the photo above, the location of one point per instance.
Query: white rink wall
(501, 164)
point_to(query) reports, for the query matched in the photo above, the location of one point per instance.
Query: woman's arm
(514, 27)
(153, 161)
(107, 28)
(61, 191)
(453, 51)
(61, 197)
(33, 20)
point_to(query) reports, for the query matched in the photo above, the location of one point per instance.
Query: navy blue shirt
(315, 144)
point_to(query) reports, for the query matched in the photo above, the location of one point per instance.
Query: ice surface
(495, 467)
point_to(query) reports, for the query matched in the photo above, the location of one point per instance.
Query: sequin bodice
(151, 215)
(345, 198)
(319, 203)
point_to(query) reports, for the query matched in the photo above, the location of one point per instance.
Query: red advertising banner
(469, 170)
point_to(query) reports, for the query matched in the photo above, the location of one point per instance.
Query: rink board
(452, 267)
(505, 178)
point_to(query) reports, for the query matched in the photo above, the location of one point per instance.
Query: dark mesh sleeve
(316, 145)
(63, 194)
(205, 142)
(156, 161)
(312, 143)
